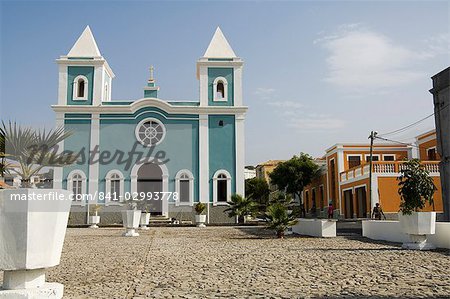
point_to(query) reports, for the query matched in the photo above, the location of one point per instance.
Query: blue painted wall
(222, 149)
(180, 144)
(72, 73)
(228, 74)
(80, 138)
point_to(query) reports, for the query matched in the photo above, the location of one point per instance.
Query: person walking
(377, 212)
(330, 211)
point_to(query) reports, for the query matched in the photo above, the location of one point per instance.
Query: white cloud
(314, 122)
(287, 104)
(363, 60)
(264, 93)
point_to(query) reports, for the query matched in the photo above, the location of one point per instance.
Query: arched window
(80, 92)
(150, 132)
(114, 187)
(220, 89)
(184, 186)
(76, 182)
(80, 88)
(221, 187)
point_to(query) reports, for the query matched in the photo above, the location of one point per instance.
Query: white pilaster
(95, 141)
(62, 84)
(240, 154)
(238, 86)
(204, 158)
(97, 94)
(340, 165)
(203, 77)
(58, 171)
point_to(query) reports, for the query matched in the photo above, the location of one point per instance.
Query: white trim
(225, 90)
(75, 96)
(389, 155)
(94, 167)
(58, 171)
(83, 184)
(108, 187)
(136, 131)
(152, 102)
(240, 155)
(165, 180)
(215, 179)
(62, 85)
(204, 193)
(191, 187)
(237, 86)
(203, 81)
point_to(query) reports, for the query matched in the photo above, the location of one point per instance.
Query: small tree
(258, 190)
(33, 150)
(240, 207)
(294, 174)
(416, 187)
(279, 217)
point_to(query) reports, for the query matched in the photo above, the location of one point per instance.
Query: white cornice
(150, 102)
(98, 61)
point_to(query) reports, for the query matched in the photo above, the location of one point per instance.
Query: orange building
(345, 178)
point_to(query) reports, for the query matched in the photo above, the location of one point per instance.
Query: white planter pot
(31, 238)
(418, 225)
(145, 220)
(200, 220)
(94, 220)
(131, 219)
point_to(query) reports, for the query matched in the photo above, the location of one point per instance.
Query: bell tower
(220, 74)
(85, 77)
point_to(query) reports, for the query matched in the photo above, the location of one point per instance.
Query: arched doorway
(151, 177)
(149, 180)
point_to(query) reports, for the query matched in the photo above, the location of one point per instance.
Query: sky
(315, 73)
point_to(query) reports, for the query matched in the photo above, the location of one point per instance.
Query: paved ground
(243, 262)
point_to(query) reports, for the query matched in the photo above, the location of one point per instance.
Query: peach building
(344, 181)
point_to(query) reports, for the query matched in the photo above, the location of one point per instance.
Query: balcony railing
(385, 167)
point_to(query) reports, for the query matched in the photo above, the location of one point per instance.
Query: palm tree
(33, 150)
(240, 207)
(279, 217)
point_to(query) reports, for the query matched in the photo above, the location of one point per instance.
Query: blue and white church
(194, 149)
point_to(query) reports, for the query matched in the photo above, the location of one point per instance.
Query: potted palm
(241, 207)
(200, 219)
(131, 218)
(279, 217)
(94, 219)
(39, 214)
(416, 189)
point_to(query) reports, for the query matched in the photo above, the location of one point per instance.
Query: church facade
(173, 154)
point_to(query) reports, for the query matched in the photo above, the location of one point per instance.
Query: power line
(399, 142)
(414, 123)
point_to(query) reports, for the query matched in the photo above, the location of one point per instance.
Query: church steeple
(219, 47)
(219, 71)
(85, 46)
(85, 77)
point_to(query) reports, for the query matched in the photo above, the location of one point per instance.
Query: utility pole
(372, 136)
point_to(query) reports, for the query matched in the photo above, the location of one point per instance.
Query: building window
(388, 157)
(221, 187)
(431, 154)
(184, 186)
(80, 88)
(76, 182)
(375, 158)
(333, 181)
(114, 187)
(220, 89)
(150, 132)
(353, 161)
(321, 197)
(220, 123)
